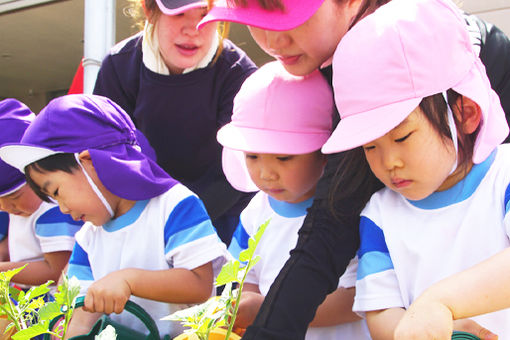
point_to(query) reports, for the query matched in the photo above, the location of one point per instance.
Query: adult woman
(303, 36)
(177, 83)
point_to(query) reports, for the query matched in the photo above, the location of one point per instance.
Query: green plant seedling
(220, 311)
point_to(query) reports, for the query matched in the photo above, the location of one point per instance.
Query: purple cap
(75, 123)
(174, 7)
(15, 117)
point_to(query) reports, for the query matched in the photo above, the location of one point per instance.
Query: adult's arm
(495, 55)
(325, 246)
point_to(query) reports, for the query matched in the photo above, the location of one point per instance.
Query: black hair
(353, 177)
(57, 162)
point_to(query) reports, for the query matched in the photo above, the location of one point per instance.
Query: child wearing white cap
(279, 124)
(416, 104)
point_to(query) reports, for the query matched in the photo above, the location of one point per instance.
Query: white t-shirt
(47, 230)
(172, 230)
(279, 239)
(406, 246)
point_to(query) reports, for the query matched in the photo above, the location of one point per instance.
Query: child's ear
(469, 114)
(84, 156)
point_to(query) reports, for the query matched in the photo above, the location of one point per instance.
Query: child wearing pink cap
(279, 124)
(294, 32)
(424, 117)
(177, 83)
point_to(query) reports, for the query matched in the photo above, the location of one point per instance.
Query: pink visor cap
(405, 51)
(294, 13)
(275, 112)
(174, 7)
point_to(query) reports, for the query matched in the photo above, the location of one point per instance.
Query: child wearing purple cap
(279, 124)
(177, 83)
(37, 233)
(423, 117)
(146, 238)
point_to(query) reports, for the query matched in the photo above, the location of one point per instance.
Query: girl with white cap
(416, 104)
(177, 83)
(146, 238)
(279, 124)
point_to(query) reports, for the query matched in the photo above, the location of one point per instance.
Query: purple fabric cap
(75, 123)
(15, 117)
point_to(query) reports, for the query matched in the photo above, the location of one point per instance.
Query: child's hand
(424, 320)
(109, 294)
(248, 308)
(470, 326)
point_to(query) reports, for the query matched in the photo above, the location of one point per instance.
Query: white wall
(496, 12)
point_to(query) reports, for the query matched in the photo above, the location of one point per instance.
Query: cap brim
(362, 128)
(12, 189)
(269, 141)
(254, 15)
(178, 7)
(19, 155)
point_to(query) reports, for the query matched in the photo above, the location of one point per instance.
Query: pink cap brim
(295, 14)
(362, 128)
(181, 9)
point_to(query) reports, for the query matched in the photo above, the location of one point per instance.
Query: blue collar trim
(127, 219)
(290, 210)
(460, 191)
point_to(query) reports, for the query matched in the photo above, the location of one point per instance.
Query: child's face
(74, 194)
(306, 47)
(22, 202)
(289, 178)
(180, 44)
(413, 159)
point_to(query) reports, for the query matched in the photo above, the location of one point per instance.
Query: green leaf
(49, 311)
(31, 332)
(37, 291)
(228, 273)
(8, 274)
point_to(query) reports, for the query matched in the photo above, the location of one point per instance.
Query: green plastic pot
(123, 332)
(464, 336)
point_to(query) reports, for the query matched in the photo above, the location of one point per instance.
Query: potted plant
(215, 318)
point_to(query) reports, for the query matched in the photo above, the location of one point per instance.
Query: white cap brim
(19, 156)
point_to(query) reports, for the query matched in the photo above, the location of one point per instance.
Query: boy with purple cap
(38, 233)
(423, 117)
(146, 238)
(279, 124)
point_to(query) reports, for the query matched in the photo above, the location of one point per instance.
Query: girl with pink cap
(177, 83)
(424, 117)
(279, 124)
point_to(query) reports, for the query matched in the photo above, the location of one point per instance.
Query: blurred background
(41, 43)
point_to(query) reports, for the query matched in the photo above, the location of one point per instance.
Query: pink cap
(294, 14)
(405, 51)
(174, 7)
(275, 112)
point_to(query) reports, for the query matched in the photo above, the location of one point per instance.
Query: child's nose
(391, 160)
(276, 40)
(63, 208)
(267, 174)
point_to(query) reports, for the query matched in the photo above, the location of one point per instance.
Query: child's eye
(368, 147)
(399, 140)
(284, 158)
(251, 156)
(55, 193)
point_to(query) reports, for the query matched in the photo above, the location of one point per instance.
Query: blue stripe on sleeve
(79, 264)
(507, 198)
(373, 254)
(189, 213)
(189, 235)
(54, 223)
(239, 241)
(4, 224)
(54, 215)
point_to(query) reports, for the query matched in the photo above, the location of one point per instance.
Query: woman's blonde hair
(142, 10)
